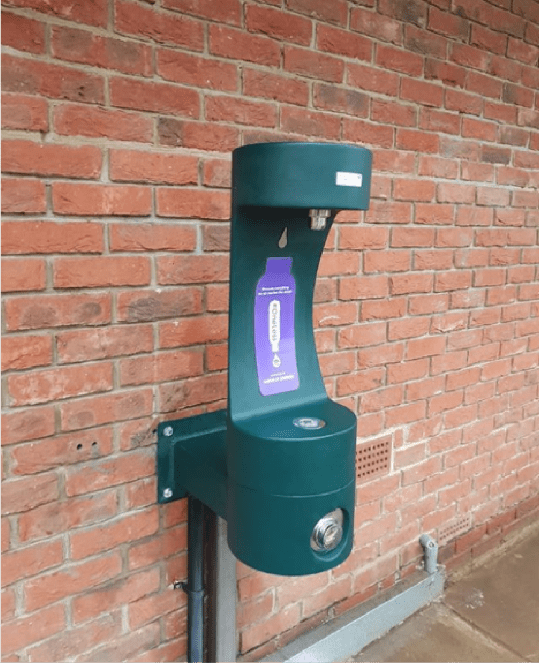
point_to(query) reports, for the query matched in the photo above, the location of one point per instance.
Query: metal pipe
(195, 581)
(430, 549)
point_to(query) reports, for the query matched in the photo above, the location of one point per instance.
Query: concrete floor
(488, 613)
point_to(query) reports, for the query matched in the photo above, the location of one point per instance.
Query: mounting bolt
(167, 493)
(167, 432)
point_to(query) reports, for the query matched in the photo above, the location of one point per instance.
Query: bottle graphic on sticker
(275, 343)
(274, 324)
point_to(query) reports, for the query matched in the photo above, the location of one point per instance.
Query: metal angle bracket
(191, 459)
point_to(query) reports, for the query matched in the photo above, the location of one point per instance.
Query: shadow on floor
(489, 613)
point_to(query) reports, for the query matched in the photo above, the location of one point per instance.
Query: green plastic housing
(272, 480)
(282, 479)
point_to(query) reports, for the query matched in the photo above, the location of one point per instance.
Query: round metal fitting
(167, 432)
(328, 532)
(167, 493)
(308, 423)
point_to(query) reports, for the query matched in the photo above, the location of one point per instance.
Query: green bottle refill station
(279, 463)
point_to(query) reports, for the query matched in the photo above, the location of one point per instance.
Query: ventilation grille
(454, 528)
(373, 458)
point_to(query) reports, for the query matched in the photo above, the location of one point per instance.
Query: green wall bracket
(279, 463)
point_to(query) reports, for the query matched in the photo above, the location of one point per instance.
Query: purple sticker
(275, 342)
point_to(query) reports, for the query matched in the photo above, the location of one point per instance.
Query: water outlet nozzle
(319, 218)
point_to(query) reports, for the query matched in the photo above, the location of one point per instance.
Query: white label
(348, 179)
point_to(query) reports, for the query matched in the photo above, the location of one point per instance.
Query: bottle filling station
(279, 463)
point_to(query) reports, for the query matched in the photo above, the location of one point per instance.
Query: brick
(484, 85)
(196, 391)
(228, 11)
(238, 45)
(411, 139)
(84, 47)
(362, 335)
(403, 372)
(448, 24)
(424, 42)
(399, 60)
(154, 97)
(126, 647)
(277, 623)
(447, 73)
(455, 100)
(23, 196)
(103, 271)
(31, 560)
(164, 545)
(127, 528)
(278, 24)
(103, 343)
(160, 27)
(51, 80)
(494, 42)
(217, 172)
(362, 238)
(43, 311)
(342, 42)
(150, 237)
(390, 113)
(193, 331)
(413, 190)
(80, 120)
(23, 274)
(150, 305)
(124, 591)
(279, 88)
(386, 261)
(341, 100)
(150, 608)
(23, 34)
(28, 629)
(364, 77)
(20, 352)
(515, 94)
(100, 200)
(391, 160)
(358, 131)
(334, 314)
(425, 347)
(332, 264)
(163, 367)
(20, 237)
(159, 167)
(477, 172)
(193, 203)
(140, 493)
(200, 135)
(421, 92)
(23, 494)
(409, 283)
(57, 383)
(240, 111)
(92, 13)
(197, 71)
(336, 12)
(437, 167)
(361, 382)
(370, 23)
(313, 65)
(24, 112)
(308, 123)
(61, 450)
(380, 310)
(98, 410)
(108, 472)
(71, 580)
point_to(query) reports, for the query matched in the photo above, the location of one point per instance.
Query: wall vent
(373, 458)
(454, 528)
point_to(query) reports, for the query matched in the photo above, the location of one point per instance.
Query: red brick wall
(119, 117)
